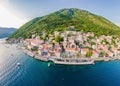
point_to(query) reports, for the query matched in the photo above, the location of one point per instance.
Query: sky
(14, 13)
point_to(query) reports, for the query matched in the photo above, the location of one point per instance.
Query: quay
(56, 60)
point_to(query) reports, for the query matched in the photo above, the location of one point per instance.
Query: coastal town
(72, 47)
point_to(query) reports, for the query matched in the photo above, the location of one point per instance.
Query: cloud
(8, 19)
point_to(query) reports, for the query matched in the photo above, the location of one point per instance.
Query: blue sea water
(32, 72)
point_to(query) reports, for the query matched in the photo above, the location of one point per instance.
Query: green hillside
(62, 19)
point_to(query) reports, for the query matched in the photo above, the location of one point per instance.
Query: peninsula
(71, 37)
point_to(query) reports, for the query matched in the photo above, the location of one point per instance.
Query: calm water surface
(32, 72)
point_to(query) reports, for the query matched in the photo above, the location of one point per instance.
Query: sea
(19, 69)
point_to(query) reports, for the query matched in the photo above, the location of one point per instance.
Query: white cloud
(8, 19)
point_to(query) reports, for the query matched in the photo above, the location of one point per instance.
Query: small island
(72, 47)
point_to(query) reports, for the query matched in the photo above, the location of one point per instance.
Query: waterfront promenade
(69, 61)
(56, 60)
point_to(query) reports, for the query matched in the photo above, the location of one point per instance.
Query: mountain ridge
(5, 31)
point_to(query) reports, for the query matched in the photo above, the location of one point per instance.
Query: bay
(32, 72)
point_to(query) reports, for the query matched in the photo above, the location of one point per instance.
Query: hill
(5, 32)
(62, 19)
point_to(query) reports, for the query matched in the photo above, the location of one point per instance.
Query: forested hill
(62, 19)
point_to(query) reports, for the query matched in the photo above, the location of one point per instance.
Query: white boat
(48, 64)
(18, 64)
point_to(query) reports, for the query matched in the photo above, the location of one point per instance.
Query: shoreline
(69, 61)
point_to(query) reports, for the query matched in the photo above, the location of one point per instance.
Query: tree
(44, 39)
(58, 38)
(35, 48)
(105, 41)
(89, 54)
(113, 41)
(93, 43)
(102, 53)
(78, 55)
(90, 37)
(110, 47)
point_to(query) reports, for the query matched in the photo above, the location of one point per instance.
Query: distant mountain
(5, 32)
(62, 19)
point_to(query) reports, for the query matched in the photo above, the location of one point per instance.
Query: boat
(48, 64)
(18, 64)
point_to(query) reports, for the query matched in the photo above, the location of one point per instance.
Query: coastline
(77, 49)
(66, 61)
(69, 61)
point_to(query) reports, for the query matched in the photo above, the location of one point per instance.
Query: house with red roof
(36, 42)
(109, 54)
(95, 54)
